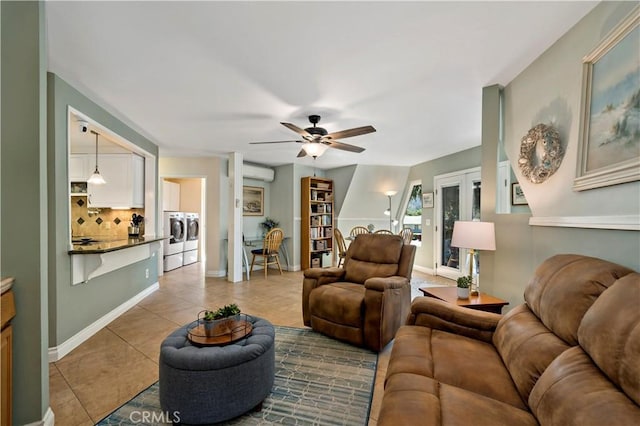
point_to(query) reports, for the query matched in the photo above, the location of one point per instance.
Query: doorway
(458, 198)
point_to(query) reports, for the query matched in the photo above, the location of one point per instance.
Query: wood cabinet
(124, 174)
(316, 243)
(7, 312)
(170, 196)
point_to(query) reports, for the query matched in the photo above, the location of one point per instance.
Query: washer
(174, 223)
(190, 254)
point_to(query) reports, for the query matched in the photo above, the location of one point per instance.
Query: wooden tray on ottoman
(222, 333)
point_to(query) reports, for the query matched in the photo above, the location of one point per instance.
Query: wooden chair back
(357, 230)
(407, 235)
(383, 231)
(272, 241)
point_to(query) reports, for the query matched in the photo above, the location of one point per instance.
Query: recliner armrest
(381, 284)
(438, 314)
(318, 273)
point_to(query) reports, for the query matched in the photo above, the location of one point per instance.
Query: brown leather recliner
(365, 302)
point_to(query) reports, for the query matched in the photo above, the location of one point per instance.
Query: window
(412, 217)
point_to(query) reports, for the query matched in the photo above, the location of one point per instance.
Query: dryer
(190, 254)
(175, 226)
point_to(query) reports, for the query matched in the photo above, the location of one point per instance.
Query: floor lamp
(474, 235)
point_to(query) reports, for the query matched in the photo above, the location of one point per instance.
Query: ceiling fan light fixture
(314, 149)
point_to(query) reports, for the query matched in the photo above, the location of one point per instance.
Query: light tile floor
(121, 360)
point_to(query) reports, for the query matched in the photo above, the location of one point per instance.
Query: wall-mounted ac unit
(250, 171)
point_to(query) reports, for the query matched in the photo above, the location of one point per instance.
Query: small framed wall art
(252, 201)
(517, 195)
(427, 200)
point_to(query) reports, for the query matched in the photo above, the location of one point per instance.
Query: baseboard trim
(47, 420)
(424, 269)
(216, 274)
(56, 353)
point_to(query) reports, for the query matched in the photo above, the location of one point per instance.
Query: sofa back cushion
(526, 347)
(372, 255)
(610, 334)
(565, 286)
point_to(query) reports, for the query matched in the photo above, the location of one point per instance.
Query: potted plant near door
(221, 320)
(464, 283)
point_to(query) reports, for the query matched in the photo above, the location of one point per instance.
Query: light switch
(427, 222)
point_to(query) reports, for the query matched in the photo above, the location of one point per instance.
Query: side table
(481, 302)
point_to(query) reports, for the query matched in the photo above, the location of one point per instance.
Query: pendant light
(96, 178)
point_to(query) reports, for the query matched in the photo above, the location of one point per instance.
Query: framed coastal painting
(252, 201)
(609, 146)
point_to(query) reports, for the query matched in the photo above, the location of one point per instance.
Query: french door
(458, 198)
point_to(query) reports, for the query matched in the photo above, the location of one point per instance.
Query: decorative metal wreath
(540, 153)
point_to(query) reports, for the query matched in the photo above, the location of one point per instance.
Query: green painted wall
(549, 90)
(426, 172)
(23, 200)
(72, 308)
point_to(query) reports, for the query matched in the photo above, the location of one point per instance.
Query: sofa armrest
(381, 284)
(438, 314)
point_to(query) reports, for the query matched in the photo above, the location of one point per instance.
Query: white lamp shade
(96, 178)
(314, 149)
(474, 235)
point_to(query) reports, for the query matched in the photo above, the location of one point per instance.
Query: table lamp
(473, 235)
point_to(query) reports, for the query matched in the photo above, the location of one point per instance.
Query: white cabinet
(170, 196)
(80, 167)
(124, 174)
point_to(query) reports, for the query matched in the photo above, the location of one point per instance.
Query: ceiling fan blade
(296, 129)
(351, 132)
(258, 143)
(343, 146)
(302, 153)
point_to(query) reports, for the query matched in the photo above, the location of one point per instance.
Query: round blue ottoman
(205, 385)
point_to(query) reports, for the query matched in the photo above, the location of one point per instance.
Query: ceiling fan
(316, 139)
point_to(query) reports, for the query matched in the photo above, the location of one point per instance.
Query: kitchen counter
(105, 245)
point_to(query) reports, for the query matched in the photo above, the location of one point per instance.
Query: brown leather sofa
(570, 355)
(366, 301)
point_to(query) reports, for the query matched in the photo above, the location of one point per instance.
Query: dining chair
(383, 231)
(270, 250)
(358, 230)
(341, 244)
(407, 235)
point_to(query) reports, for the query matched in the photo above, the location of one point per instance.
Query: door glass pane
(475, 202)
(450, 213)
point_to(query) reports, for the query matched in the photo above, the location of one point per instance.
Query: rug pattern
(318, 381)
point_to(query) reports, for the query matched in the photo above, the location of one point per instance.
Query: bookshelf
(316, 243)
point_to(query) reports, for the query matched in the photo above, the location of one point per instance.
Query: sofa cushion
(412, 399)
(565, 286)
(610, 334)
(456, 360)
(372, 255)
(343, 302)
(526, 346)
(573, 391)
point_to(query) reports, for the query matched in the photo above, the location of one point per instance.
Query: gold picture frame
(252, 201)
(609, 143)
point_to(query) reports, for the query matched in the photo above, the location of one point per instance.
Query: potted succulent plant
(464, 284)
(221, 320)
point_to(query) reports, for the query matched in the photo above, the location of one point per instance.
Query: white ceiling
(207, 78)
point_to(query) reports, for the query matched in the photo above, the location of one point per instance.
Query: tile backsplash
(103, 222)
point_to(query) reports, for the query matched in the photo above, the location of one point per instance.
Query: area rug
(318, 381)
